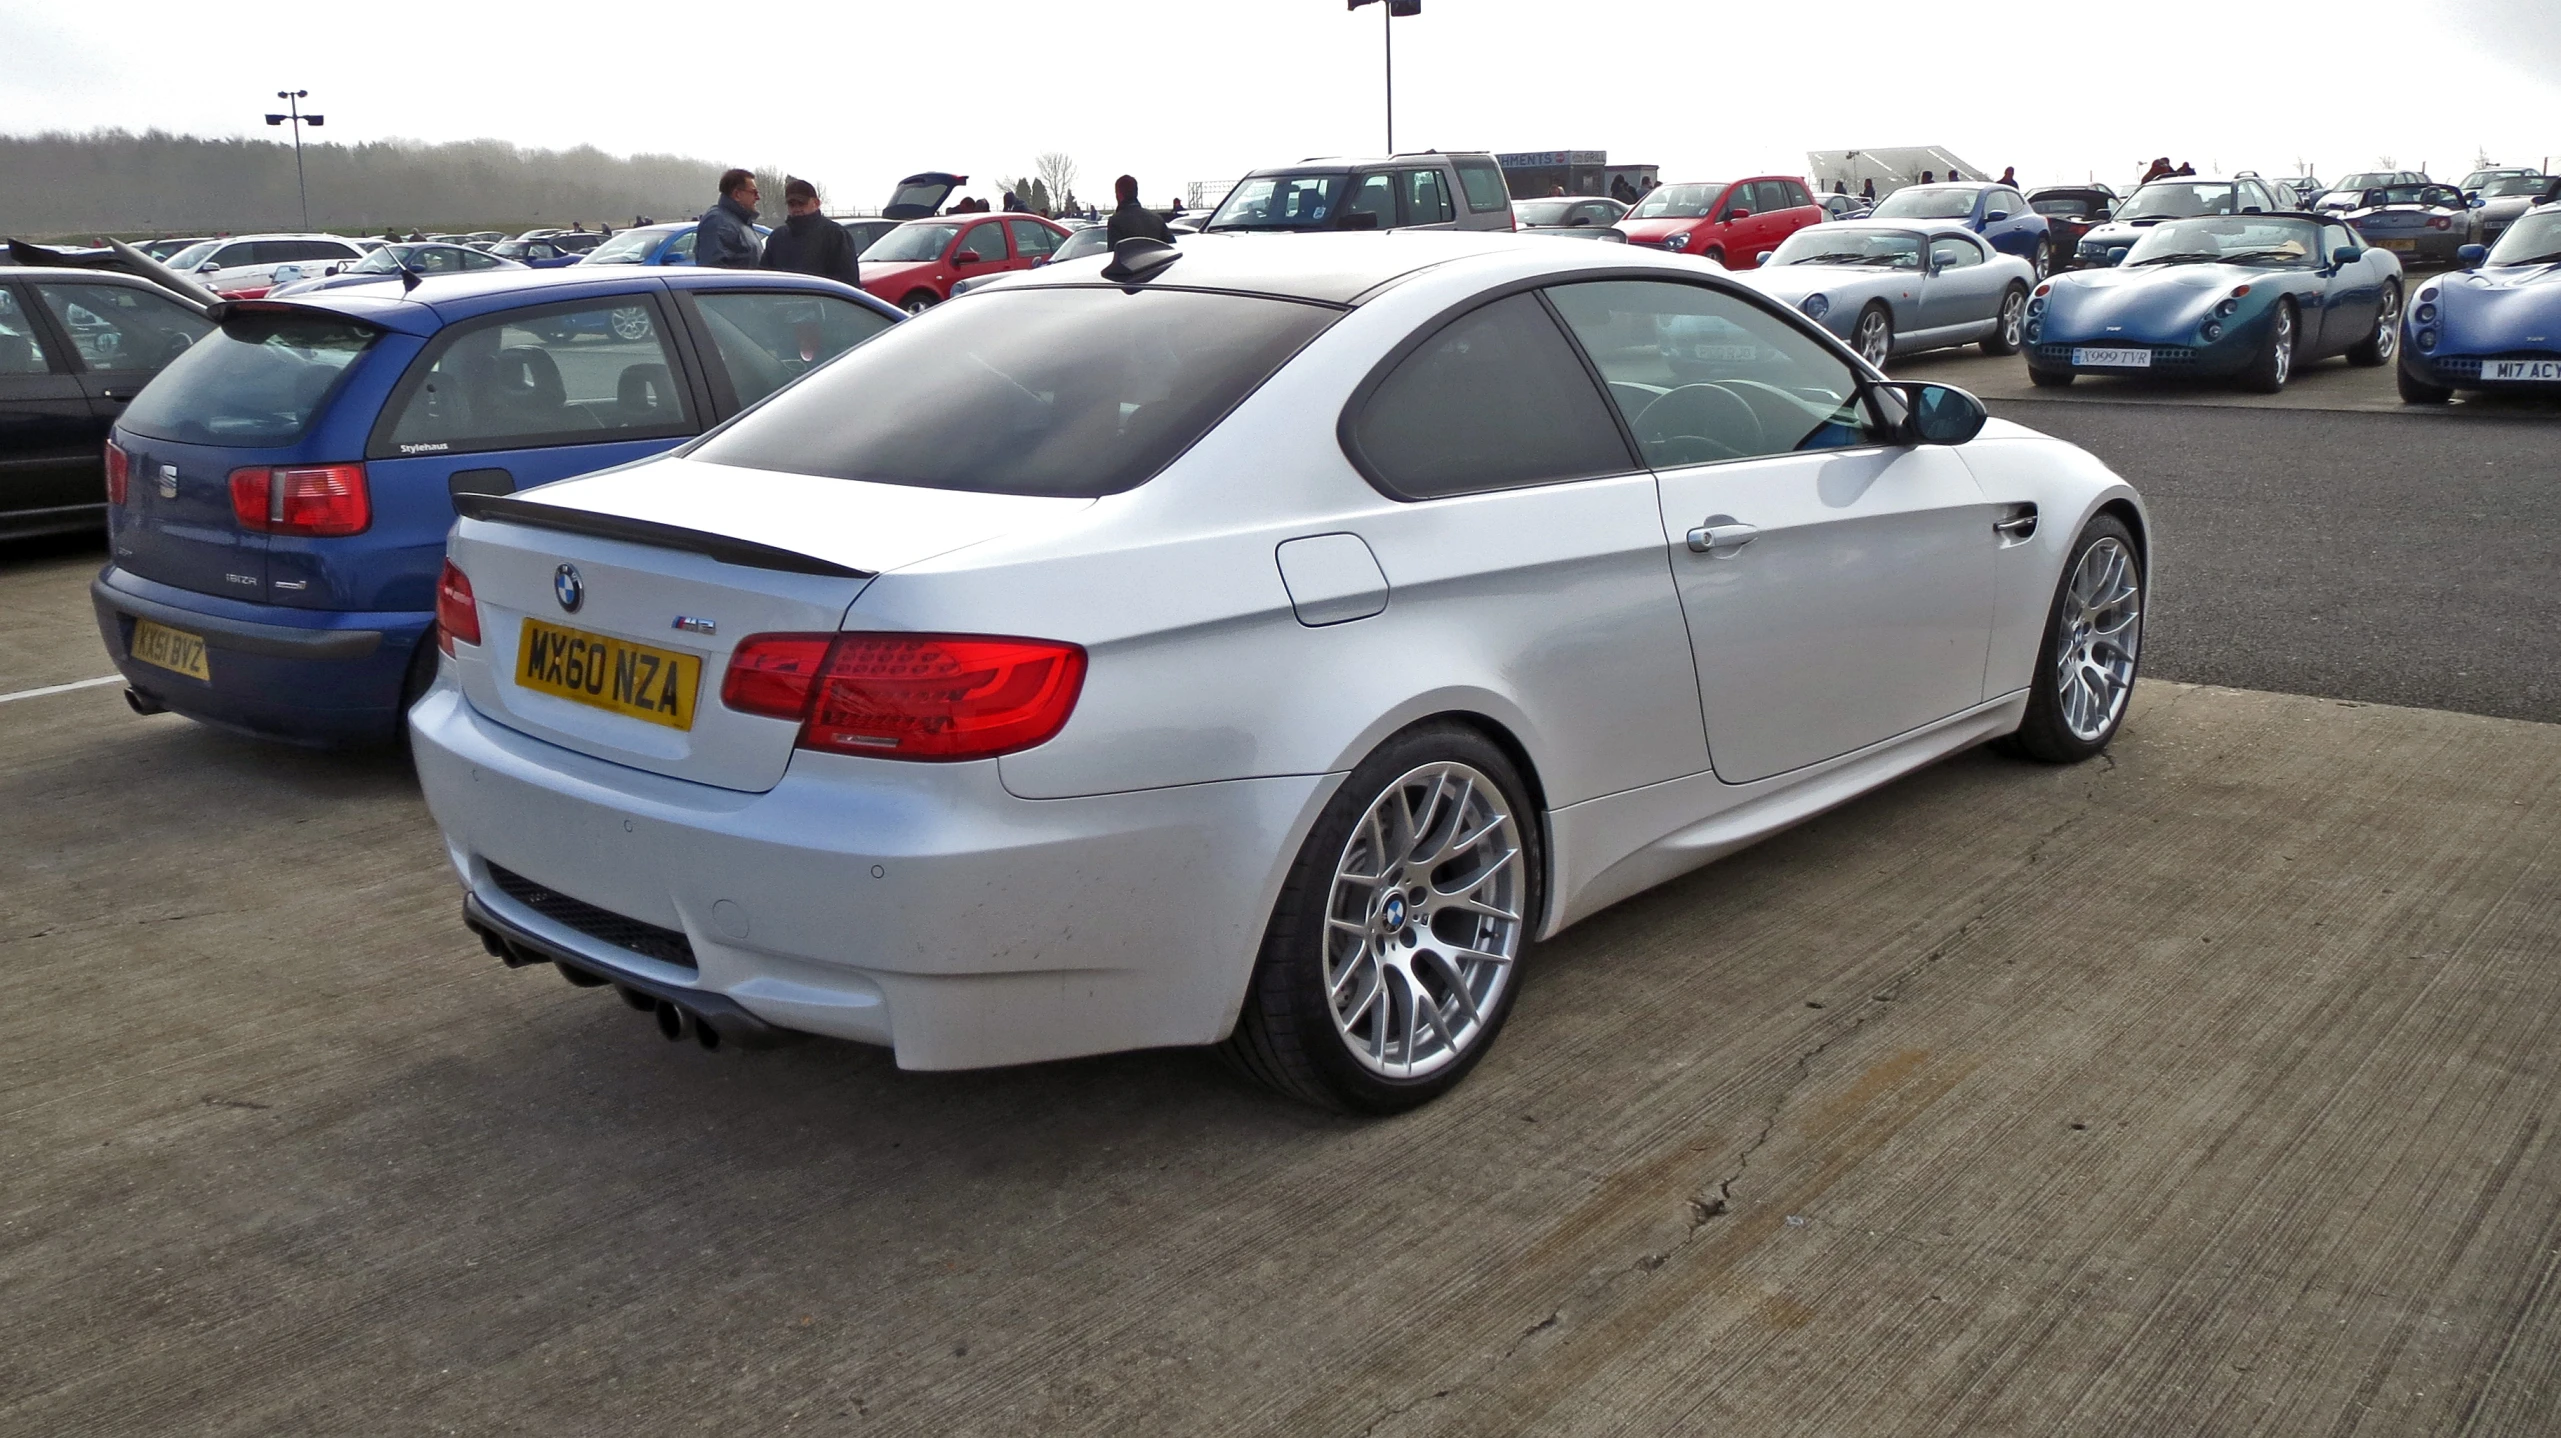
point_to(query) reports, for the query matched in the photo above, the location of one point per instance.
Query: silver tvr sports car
(1893, 288)
(1255, 644)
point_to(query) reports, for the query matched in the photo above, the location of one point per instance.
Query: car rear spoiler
(745, 553)
(117, 256)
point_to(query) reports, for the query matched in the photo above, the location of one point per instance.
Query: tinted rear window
(1075, 392)
(259, 380)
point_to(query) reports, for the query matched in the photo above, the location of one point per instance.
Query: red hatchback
(1732, 224)
(914, 266)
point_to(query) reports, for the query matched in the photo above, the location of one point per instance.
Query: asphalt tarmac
(2204, 1088)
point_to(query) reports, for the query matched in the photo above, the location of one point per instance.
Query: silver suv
(1426, 191)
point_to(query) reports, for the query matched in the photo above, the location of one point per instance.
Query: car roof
(439, 300)
(1334, 268)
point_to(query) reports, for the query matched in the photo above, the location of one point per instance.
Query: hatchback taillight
(119, 469)
(908, 696)
(457, 615)
(324, 501)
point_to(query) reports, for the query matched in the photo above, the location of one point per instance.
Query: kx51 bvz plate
(614, 675)
(171, 649)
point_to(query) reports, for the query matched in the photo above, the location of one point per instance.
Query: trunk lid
(684, 558)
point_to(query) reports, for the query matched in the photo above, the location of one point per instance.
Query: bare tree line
(115, 182)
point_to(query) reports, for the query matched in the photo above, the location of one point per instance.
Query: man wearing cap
(808, 242)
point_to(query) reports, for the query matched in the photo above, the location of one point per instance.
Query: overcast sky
(855, 95)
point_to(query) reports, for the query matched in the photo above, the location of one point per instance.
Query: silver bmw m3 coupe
(1258, 644)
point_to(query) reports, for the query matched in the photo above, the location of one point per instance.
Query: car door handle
(1721, 536)
(119, 395)
(2019, 525)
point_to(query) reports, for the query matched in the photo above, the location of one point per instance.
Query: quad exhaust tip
(713, 1021)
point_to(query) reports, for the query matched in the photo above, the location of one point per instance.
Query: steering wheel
(1681, 425)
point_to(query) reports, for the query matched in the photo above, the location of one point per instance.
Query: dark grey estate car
(75, 346)
(1427, 191)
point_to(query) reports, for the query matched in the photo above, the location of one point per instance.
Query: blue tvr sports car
(2242, 297)
(2495, 327)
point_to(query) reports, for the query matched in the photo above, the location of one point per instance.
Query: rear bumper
(308, 676)
(919, 906)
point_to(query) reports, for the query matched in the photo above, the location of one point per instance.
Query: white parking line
(63, 688)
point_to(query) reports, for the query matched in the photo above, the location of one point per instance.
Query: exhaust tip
(141, 703)
(707, 1036)
(672, 1021)
(646, 1003)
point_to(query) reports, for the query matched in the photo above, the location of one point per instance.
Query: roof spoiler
(115, 255)
(746, 553)
(221, 310)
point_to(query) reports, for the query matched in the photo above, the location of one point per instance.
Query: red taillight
(908, 696)
(324, 501)
(457, 617)
(118, 470)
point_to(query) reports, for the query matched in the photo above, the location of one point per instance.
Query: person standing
(1130, 218)
(725, 238)
(809, 243)
(2009, 174)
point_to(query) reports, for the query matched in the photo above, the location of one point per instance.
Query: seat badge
(168, 481)
(568, 588)
(691, 625)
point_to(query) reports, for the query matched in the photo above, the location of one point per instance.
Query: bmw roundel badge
(567, 588)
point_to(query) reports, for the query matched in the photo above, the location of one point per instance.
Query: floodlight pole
(1387, 14)
(293, 113)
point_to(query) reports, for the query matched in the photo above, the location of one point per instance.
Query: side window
(1797, 198)
(21, 352)
(1703, 376)
(117, 329)
(571, 374)
(1032, 239)
(2014, 202)
(437, 261)
(682, 251)
(1738, 198)
(1947, 252)
(1483, 183)
(986, 241)
(2252, 197)
(2335, 238)
(1494, 400)
(479, 260)
(1373, 194)
(242, 254)
(766, 341)
(1426, 195)
(1771, 196)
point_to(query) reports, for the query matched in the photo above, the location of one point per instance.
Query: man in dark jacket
(809, 243)
(1132, 218)
(726, 236)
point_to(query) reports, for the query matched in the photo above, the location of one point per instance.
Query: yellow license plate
(171, 649)
(2400, 244)
(614, 675)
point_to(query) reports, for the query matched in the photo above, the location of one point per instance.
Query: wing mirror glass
(1995, 217)
(2471, 255)
(1763, 257)
(1941, 414)
(2099, 217)
(2116, 254)
(965, 257)
(1732, 215)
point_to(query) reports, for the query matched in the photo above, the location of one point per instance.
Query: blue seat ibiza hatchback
(278, 497)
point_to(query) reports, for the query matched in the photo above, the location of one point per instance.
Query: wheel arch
(2130, 514)
(1502, 736)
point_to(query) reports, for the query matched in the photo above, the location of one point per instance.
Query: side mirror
(2470, 256)
(2346, 255)
(1732, 215)
(2116, 254)
(1941, 414)
(1358, 220)
(2100, 217)
(1995, 217)
(965, 257)
(1763, 257)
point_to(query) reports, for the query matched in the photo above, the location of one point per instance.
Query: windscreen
(911, 242)
(257, 381)
(1091, 240)
(1677, 202)
(1926, 202)
(1835, 245)
(2509, 185)
(2534, 239)
(631, 247)
(192, 256)
(1279, 202)
(2368, 179)
(2179, 200)
(2229, 240)
(1074, 391)
(1542, 212)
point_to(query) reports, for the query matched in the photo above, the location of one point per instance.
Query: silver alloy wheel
(917, 304)
(1874, 339)
(1423, 922)
(2013, 317)
(2387, 325)
(630, 322)
(2044, 261)
(2098, 634)
(2283, 340)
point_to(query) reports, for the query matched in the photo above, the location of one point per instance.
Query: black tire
(2043, 735)
(2006, 326)
(2415, 390)
(414, 682)
(1286, 1037)
(2384, 341)
(2273, 365)
(2050, 378)
(918, 301)
(1716, 257)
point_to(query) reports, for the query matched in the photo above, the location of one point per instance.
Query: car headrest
(526, 375)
